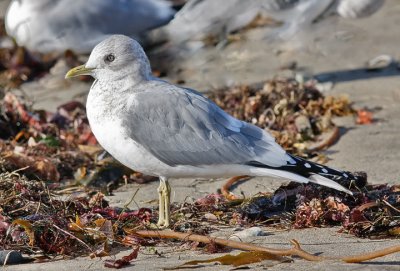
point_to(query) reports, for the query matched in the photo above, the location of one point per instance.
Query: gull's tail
(304, 171)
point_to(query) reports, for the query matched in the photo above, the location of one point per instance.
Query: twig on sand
(371, 255)
(296, 250)
(74, 237)
(226, 187)
(328, 141)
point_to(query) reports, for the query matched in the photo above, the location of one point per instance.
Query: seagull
(199, 19)
(165, 130)
(57, 25)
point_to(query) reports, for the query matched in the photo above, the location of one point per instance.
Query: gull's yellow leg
(167, 198)
(161, 205)
(164, 194)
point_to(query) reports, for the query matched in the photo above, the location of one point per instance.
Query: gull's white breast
(106, 123)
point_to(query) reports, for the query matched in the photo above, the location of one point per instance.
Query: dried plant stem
(391, 206)
(371, 255)
(296, 250)
(226, 187)
(334, 136)
(74, 237)
(166, 234)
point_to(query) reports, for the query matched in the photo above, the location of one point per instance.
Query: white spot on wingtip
(324, 170)
(307, 165)
(345, 175)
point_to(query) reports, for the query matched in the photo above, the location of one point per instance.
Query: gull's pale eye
(109, 58)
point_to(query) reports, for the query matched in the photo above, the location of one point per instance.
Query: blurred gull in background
(298, 15)
(57, 25)
(200, 19)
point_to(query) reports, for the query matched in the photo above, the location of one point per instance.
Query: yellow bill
(80, 70)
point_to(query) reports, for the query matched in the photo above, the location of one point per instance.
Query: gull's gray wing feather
(182, 127)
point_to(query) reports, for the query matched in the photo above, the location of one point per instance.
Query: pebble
(211, 217)
(246, 234)
(380, 62)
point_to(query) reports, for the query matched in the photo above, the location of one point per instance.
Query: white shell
(380, 62)
(358, 8)
(246, 234)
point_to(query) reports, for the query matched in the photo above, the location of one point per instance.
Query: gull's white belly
(126, 150)
(133, 155)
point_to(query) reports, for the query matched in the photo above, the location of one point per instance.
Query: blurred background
(205, 44)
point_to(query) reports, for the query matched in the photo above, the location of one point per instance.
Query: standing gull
(200, 19)
(169, 131)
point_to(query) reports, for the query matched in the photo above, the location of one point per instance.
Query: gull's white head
(117, 57)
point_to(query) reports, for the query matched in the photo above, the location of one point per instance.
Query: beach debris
(246, 234)
(296, 249)
(297, 114)
(379, 63)
(124, 261)
(240, 259)
(34, 219)
(17, 65)
(364, 116)
(56, 146)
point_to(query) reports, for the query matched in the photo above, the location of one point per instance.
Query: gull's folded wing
(181, 127)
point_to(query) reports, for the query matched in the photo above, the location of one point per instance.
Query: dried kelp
(56, 146)
(35, 220)
(372, 212)
(241, 259)
(18, 65)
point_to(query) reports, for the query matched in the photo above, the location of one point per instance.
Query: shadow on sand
(358, 74)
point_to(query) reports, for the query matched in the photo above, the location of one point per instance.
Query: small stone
(379, 62)
(247, 233)
(211, 217)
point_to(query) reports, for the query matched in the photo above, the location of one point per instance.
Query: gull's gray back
(181, 127)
